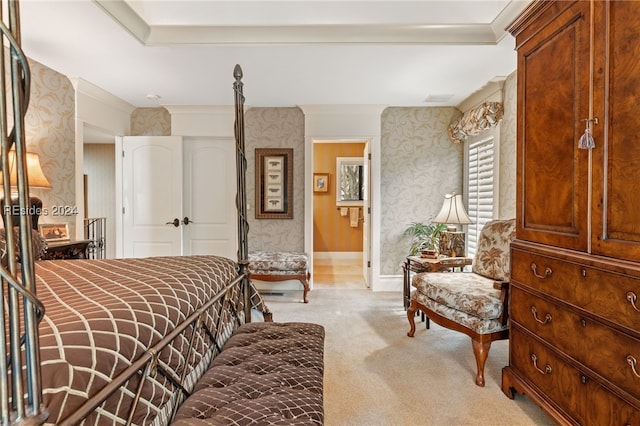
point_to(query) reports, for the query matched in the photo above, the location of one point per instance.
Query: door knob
(186, 220)
(175, 222)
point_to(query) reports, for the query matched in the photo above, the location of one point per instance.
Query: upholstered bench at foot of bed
(267, 373)
(280, 266)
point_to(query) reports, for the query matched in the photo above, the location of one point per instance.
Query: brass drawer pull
(547, 368)
(547, 271)
(632, 362)
(632, 298)
(547, 317)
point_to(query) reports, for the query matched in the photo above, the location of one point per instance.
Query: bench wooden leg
(305, 284)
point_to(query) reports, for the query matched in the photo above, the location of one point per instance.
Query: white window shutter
(480, 188)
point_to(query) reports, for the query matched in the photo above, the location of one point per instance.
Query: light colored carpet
(376, 375)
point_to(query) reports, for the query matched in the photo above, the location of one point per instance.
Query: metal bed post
(18, 287)
(241, 196)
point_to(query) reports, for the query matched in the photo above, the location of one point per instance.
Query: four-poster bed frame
(171, 362)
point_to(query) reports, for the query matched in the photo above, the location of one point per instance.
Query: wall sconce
(36, 179)
(452, 242)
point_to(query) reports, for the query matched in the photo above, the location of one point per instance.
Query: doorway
(98, 163)
(338, 230)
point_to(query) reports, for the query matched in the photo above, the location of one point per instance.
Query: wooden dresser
(575, 311)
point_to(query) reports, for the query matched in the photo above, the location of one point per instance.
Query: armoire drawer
(604, 350)
(613, 296)
(584, 400)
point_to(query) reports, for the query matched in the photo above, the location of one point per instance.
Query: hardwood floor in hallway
(337, 271)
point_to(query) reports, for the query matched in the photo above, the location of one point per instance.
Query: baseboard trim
(388, 283)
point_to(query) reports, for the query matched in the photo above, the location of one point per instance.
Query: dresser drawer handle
(547, 317)
(547, 271)
(632, 298)
(632, 362)
(547, 368)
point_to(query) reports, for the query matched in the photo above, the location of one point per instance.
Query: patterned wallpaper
(508, 150)
(276, 128)
(150, 122)
(419, 163)
(419, 166)
(50, 132)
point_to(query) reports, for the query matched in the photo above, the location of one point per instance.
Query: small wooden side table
(423, 264)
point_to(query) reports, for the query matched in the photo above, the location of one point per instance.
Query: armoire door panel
(552, 171)
(616, 225)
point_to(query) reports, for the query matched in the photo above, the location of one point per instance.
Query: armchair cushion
(464, 291)
(472, 322)
(492, 258)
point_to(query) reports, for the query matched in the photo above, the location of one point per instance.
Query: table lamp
(36, 179)
(452, 214)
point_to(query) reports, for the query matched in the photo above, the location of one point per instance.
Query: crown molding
(92, 91)
(492, 92)
(509, 14)
(343, 110)
(458, 34)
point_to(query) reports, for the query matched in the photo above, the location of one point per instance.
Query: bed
(114, 341)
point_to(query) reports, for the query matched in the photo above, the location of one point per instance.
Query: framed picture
(274, 183)
(321, 182)
(54, 231)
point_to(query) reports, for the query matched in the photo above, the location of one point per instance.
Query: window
(482, 178)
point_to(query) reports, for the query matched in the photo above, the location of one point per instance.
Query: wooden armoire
(575, 313)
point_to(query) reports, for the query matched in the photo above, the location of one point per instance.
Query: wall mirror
(350, 181)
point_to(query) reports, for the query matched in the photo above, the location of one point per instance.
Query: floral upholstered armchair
(474, 303)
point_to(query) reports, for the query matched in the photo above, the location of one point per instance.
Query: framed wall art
(321, 182)
(274, 183)
(54, 231)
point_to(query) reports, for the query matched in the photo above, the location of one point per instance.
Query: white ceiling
(296, 52)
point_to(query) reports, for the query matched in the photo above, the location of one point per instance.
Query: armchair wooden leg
(480, 351)
(411, 316)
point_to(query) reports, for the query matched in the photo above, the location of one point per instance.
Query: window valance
(475, 121)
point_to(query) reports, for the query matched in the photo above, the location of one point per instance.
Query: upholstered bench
(474, 303)
(267, 373)
(280, 266)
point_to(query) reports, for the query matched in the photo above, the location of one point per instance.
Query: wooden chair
(473, 303)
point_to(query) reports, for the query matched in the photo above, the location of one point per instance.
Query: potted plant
(424, 237)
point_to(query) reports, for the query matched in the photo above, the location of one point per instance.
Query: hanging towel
(354, 216)
(344, 211)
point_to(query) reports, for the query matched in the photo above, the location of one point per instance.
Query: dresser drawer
(604, 350)
(611, 295)
(584, 400)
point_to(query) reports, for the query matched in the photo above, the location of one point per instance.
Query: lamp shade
(452, 211)
(35, 175)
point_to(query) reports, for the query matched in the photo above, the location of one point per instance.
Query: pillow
(492, 258)
(38, 244)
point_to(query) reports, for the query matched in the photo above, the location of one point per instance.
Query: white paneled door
(209, 209)
(178, 196)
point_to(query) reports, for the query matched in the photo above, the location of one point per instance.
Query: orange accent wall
(331, 232)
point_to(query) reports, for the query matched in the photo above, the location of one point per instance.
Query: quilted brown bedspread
(101, 315)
